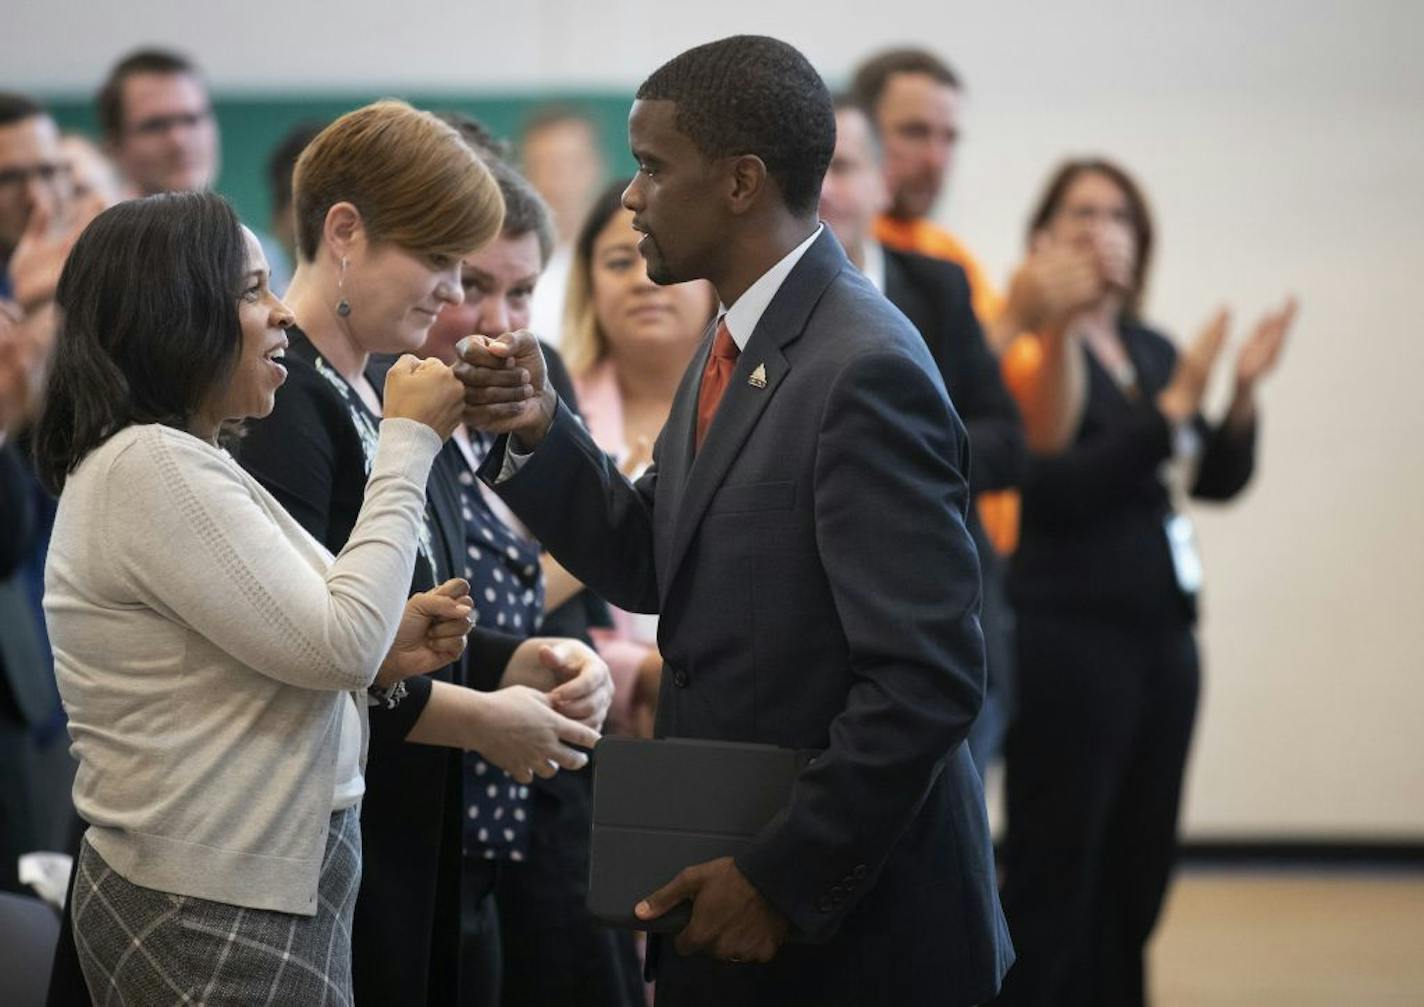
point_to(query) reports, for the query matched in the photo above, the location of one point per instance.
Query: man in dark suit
(935, 296)
(801, 534)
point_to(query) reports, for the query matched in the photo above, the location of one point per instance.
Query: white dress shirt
(743, 315)
(741, 318)
(872, 253)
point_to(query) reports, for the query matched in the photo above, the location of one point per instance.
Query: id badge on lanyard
(1186, 559)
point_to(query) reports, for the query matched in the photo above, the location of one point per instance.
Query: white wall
(1281, 144)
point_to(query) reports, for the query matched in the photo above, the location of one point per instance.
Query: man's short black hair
(750, 94)
(17, 108)
(871, 77)
(110, 99)
(283, 160)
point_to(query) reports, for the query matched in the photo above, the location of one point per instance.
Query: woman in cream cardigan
(214, 658)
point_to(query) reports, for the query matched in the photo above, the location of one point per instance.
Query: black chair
(29, 930)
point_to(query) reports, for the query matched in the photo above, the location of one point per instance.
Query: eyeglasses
(1092, 214)
(160, 124)
(50, 173)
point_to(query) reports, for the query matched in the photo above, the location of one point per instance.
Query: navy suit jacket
(934, 295)
(817, 589)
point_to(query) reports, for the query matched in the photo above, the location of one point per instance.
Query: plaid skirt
(140, 946)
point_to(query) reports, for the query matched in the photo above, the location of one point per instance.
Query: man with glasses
(32, 171)
(158, 123)
(35, 209)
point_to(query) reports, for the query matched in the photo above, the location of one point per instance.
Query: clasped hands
(506, 386)
(432, 633)
(554, 693)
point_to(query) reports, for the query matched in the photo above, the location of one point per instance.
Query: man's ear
(344, 231)
(748, 180)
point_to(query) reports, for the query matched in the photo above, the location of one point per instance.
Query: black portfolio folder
(660, 806)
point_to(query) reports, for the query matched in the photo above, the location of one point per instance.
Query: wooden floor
(1256, 938)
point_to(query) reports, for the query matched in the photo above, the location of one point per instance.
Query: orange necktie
(716, 376)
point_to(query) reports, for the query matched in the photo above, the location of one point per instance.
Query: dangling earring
(343, 306)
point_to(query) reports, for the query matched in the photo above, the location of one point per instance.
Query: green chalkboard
(252, 126)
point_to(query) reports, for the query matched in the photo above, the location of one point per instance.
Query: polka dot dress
(508, 588)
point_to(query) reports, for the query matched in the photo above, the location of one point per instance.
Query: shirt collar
(743, 316)
(873, 255)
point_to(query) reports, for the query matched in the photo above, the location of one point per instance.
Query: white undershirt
(873, 255)
(350, 783)
(742, 317)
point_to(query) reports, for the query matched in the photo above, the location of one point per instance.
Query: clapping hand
(1262, 350)
(39, 258)
(1182, 397)
(1055, 282)
(574, 677)
(16, 362)
(1258, 356)
(431, 633)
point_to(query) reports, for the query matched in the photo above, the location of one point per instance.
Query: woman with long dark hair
(1104, 583)
(213, 658)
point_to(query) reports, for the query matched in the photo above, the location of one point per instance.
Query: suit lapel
(743, 403)
(446, 509)
(673, 453)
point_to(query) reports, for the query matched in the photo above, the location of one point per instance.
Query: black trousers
(554, 952)
(17, 803)
(1094, 766)
(481, 965)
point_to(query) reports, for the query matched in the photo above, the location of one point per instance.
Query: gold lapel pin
(758, 378)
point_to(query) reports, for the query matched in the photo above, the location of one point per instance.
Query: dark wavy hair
(148, 324)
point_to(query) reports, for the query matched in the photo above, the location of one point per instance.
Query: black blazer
(817, 589)
(934, 296)
(17, 511)
(25, 673)
(405, 935)
(1092, 538)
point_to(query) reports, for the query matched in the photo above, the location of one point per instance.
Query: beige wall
(1282, 148)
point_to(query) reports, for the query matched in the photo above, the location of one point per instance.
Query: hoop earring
(343, 306)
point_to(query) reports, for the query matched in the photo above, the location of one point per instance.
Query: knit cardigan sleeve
(192, 537)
